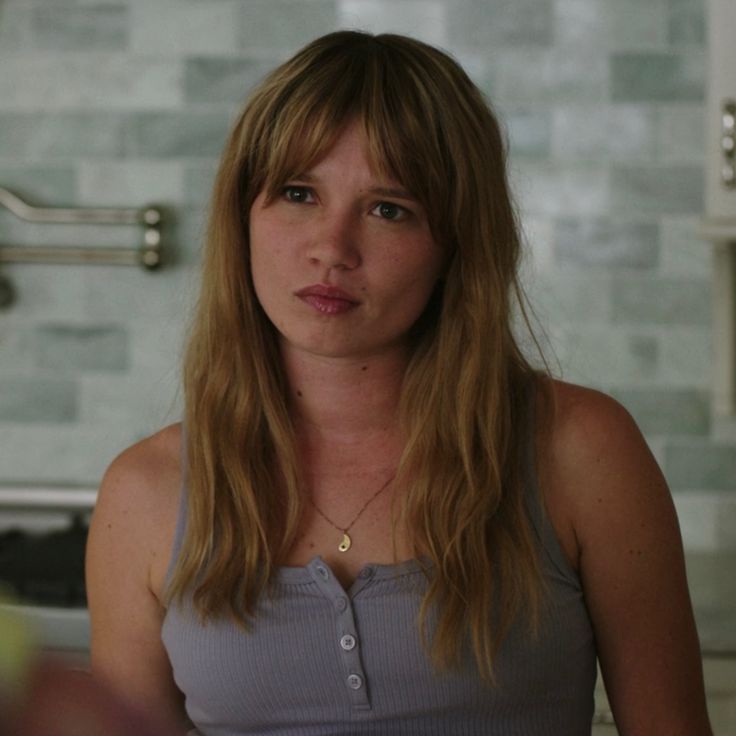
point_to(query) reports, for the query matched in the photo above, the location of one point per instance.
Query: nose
(334, 242)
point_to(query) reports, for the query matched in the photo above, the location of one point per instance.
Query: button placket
(346, 643)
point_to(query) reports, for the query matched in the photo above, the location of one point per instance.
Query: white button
(323, 572)
(341, 603)
(347, 642)
(355, 682)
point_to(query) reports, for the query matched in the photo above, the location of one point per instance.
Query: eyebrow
(398, 192)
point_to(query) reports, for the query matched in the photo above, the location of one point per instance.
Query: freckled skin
(342, 225)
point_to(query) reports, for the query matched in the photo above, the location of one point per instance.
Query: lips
(327, 299)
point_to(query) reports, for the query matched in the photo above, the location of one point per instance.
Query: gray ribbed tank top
(321, 660)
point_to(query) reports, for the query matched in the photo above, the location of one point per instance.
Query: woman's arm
(128, 550)
(630, 559)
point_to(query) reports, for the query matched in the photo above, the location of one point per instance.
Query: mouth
(327, 299)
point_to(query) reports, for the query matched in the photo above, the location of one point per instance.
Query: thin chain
(346, 529)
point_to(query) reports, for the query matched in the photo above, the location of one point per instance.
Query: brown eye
(295, 194)
(390, 211)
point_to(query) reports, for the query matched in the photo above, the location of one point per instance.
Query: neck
(345, 400)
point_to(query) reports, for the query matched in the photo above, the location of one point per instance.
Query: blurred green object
(17, 649)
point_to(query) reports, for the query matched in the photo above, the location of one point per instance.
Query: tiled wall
(126, 102)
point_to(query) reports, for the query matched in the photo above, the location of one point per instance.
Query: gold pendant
(344, 546)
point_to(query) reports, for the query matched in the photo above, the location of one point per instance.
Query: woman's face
(343, 260)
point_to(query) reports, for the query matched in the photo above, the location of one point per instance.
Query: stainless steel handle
(147, 255)
(728, 144)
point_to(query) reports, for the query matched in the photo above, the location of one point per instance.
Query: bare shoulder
(614, 514)
(137, 504)
(596, 466)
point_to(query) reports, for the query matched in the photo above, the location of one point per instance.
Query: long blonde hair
(467, 382)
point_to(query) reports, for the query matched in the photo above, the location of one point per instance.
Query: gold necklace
(346, 542)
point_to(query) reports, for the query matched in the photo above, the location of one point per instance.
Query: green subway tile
(604, 131)
(68, 28)
(684, 253)
(563, 298)
(529, 133)
(657, 189)
(632, 24)
(658, 77)
(422, 19)
(40, 185)
(581, 23)
(686, 356)
(642, 300)
(555, 75)
(221, 80)
(485, 23)
(185, 134)
(99, 80)
(32, 136)
(606, 356)
(681, 133)
(667, 411)
(284, 24)
(15, 24)
(687, 22)
(701, 466)
(198, 182)
(69, 348)
(544, 189)
(130, 182)
(37, 400)
(185, 27)
(606, 242)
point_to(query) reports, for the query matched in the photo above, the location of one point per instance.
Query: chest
(324, 659)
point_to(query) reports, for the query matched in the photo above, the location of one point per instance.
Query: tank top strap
(181, 518)
(534, 498)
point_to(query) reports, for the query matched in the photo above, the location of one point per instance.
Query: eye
(297, 194)
(390, 211)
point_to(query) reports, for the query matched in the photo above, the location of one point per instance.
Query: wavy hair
(464, 393)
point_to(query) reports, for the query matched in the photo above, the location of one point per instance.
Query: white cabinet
(719, 222)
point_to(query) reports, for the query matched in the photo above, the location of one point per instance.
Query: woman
(388, 522)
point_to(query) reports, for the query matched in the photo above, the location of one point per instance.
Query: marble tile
(600, 132)
(667, 411)
(70, 348)
(683, 253)
(700, 465)
(219, 80)
(111, 81)
(130, 182)
(47, 186)
(572, 298)
(65, 27)
(422, 19)
(604, 356)
(30, 399)
(526, 76)
(681, 133)
(184, 134)
(687, 356)
(606, 243)
(529, 133)
(199, 179)
(632, 24)
(487, 23)
(30, 136)
(272, 27)
(650, 300)
(42, 290)
(661, 189)
(658, 77)
(185, 27)
(544, 189)
(687, 22)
